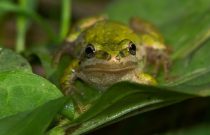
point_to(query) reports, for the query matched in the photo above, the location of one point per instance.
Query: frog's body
(106, 52)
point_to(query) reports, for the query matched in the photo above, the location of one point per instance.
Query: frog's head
(109, 47)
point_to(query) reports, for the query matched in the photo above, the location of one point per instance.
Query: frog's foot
(82, 108)
(76, 96)
(71, 90)
(144, 78)
(160, 59)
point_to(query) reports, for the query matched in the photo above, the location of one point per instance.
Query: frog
(106, 52)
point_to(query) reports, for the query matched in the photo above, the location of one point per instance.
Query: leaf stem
(65, 18)
(21, 28)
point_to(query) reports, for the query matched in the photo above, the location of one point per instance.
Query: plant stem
(21, 29)
(65, 18)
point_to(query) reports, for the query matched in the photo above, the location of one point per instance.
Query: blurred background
(49, 10)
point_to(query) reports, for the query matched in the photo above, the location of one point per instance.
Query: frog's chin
(106, 76)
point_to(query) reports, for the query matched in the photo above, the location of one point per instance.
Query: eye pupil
(90, 51)
(132, 49)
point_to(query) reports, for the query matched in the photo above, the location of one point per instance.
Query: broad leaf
(155, 11)
(32, 122)
(121, 101)
(21, 91)
(194, 64)
(10, 60)
(197, 84)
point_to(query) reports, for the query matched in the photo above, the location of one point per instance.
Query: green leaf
(23, 23)
(121, 101)
(32, 122)
(10, 60)
(155, 11)
(201, 129)
(197, 84)
(185, 40)
(65, 18)
(193, 65)
(21, 91)
(3, 13)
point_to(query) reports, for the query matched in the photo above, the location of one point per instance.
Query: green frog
(106, 52)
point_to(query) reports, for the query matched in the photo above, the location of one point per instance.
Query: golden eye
(132, 48)
(90, 51)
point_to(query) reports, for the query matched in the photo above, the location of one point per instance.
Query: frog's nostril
(117, 57)
(114, 59)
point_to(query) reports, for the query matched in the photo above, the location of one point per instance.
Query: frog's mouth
(109, 68)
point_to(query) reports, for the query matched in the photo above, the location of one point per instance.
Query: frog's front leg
(69, 77)
(68, 86)
(156, 52)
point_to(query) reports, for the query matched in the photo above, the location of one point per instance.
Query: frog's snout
(115, 59)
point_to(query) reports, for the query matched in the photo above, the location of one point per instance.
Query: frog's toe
(144, 78)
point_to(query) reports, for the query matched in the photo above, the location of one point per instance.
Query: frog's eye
(90, 51)
(132, 48)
